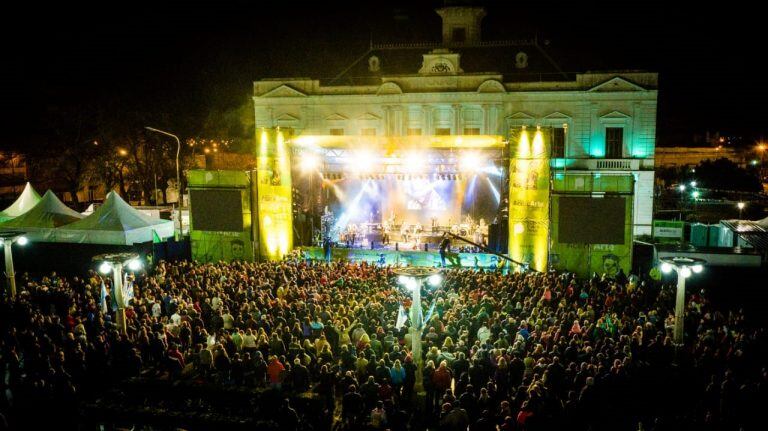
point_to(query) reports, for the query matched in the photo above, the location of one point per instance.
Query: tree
(62, 161)
(723, 174)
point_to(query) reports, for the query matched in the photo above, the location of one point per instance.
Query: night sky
(194, 56)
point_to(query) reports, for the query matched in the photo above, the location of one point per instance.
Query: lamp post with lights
(684, 267)
(114, 263)
(740, 206)
(178, 176)
(413, 279)
(7, 238)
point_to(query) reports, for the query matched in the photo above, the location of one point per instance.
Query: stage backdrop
(529, 196)
(220, 215)
(592, 223)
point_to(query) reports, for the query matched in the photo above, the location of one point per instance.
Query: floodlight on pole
(7, 239)
(740, 206)
(684, 267)
(414, 279)
(114, 263)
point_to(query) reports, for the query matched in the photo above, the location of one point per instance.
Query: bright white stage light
(470, 162)
(434, 280)
(362, 162)
(685, 272)
(666, 268)
(22, 240)
(412, 284)
(414, 162)
(134, 265)
(697, 268)
(309, 162)
(105, 268)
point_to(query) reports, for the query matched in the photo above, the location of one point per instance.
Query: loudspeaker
(498, 236)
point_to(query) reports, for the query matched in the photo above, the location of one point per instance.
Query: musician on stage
(445, 247)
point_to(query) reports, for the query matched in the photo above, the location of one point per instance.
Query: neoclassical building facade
(604, 122)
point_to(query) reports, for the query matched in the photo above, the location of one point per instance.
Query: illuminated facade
(604, 122)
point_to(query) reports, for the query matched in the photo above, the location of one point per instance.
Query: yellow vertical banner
(529, 198)
(274, 194)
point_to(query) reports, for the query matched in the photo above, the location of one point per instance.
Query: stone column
(457, 120)
(426, 125)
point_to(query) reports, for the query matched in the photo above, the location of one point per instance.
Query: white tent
(114, 222)
(39, 221)
(26, 200)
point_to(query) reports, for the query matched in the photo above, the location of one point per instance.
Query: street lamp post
(740, 205)
(114, 263)
(178, 175)
(7, 238)
(413, 279)
(684, 267)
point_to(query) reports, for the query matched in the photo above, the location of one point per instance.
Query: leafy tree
(723, 174)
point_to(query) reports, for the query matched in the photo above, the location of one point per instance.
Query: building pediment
(491, 86)
(521, 116)
(336, 117)
(389, 88)
(614, 115)
(616, 84)
(286, 118)
(369, 117)
(284, 91)
(557, 116)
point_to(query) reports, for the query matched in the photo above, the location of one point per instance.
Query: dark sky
(205, 54)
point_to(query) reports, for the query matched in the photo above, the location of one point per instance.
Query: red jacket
(274, 370)
(442, 379)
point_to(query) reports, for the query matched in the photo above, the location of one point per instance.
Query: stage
(376, 195)
(385, 257)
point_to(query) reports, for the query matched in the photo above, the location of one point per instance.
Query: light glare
(105, 268)
(22, 240)
(666, 268)
(134, 265)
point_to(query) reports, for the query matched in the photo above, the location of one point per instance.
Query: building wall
(676, 157)
(485, 105)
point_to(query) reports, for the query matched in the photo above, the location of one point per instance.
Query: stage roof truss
(399, 142)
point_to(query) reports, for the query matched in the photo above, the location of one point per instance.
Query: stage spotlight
(413, 162)
(434, 280)
(470, 162)
(362, 161)
(309, 162)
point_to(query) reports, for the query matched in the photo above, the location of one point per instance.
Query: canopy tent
(28, 199)
(39, 221)
(114, 222)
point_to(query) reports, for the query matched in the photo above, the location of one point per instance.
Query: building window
(443, 131)
(471, 130)
(368, 132)
(459, 35)
(414, 132)
(337, 132)
(558, 143)
(614, 142)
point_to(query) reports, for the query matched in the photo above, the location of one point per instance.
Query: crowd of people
(518, 351)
